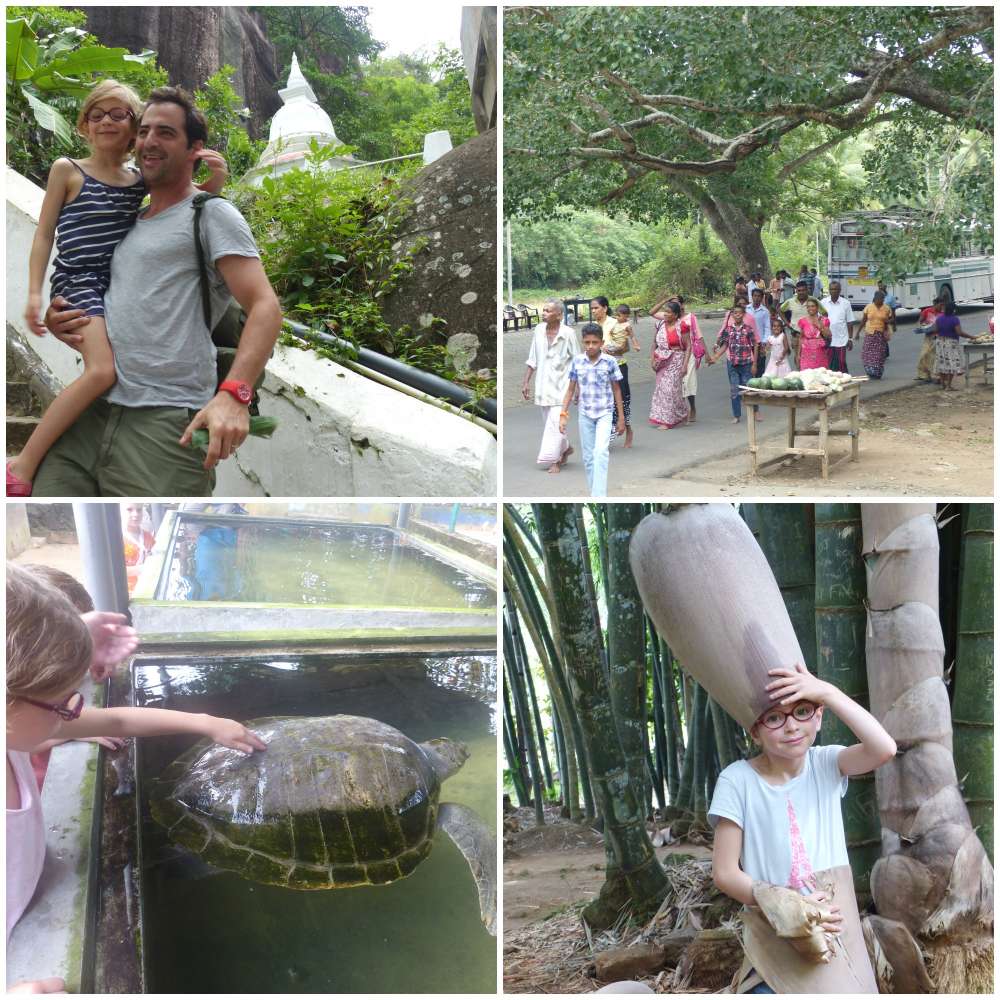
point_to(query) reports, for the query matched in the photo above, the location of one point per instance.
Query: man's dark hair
(758, 291)
(591, 330)
(801, 284)
(195, 126)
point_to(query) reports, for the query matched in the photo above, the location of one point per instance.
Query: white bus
(965, 278)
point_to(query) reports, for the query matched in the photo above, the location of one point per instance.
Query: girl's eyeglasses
(115, 114)
(775, 718)
(69, 710)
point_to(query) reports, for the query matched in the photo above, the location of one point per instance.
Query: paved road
(665, 453)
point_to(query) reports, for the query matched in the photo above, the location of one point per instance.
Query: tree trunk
(626, 645)
(786, 536)
(568, 573)
(840, 659)
(972, 709)
(741, 236)
(934, 883)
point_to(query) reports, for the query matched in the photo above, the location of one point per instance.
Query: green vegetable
(765, 382)
(753, 383)
(795, 384)
(779, 383)
(259, 427)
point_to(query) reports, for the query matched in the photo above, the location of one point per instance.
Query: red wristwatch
(242, 392)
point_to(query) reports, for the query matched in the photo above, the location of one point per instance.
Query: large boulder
(450, 296)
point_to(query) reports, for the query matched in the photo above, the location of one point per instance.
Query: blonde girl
(89, 206)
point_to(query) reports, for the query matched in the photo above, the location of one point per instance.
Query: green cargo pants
(120, 451)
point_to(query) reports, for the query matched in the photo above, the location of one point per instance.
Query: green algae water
(231, 559)
(206, 931)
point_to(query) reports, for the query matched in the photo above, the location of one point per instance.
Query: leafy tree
(658, 110)
(335, 39)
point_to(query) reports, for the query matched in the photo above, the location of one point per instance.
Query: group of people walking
(771, 329)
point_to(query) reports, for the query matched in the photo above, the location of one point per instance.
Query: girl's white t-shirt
(25, 839)
(790, 831)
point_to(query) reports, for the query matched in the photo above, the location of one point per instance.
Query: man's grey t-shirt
(164, 355)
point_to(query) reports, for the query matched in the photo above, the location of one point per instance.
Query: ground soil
(920, 441)
(549, 873)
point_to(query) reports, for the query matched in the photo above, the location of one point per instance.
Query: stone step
(18, 431)
(21, 401)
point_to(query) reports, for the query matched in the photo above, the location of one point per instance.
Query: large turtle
(333, 802)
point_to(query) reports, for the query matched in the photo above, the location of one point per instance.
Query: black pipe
(433, 385)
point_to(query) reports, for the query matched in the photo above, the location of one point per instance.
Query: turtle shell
(334, 801)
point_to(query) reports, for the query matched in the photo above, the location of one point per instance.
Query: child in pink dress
(778, 350)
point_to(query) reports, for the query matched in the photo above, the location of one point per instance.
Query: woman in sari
(689, 387)
(875, 322)
(813, 346)
(671, 351)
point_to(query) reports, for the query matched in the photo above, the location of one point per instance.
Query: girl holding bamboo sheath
(777, 816)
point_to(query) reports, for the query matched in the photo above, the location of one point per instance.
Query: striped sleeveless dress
(87, 232)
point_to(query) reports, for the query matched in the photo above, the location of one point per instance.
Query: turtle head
(447, 756)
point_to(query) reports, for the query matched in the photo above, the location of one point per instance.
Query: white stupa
(293, 128)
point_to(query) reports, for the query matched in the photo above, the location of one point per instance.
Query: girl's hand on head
(113, 641)
(796, 684)
(234, 735)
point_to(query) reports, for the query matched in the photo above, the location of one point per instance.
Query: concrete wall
(339, 434)
(18, 531)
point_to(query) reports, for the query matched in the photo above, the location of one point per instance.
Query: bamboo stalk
(568, 573)
(934, 879)
(972, 709)
(840, 659)
(516, 579)
(786, 536)
(525, 669)
(524, 722)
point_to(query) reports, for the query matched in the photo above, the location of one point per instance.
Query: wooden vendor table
(813, 403)
(985, 351)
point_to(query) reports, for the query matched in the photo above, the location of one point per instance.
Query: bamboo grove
(601, 723)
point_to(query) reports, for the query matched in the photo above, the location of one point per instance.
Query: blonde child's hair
(64, 582)
(48, 644)
(103, 90)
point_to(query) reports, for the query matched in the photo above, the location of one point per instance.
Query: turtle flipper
(479, 847)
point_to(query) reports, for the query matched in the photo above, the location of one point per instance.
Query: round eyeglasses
(115, 114)
(69, 709)
(774, 718)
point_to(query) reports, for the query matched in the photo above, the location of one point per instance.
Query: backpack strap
(198, 205)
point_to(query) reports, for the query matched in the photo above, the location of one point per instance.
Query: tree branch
(811, 154)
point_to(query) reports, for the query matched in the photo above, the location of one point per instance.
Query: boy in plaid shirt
(741, 346)
(597, 376)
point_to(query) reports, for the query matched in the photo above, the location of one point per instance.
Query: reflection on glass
(298, 563)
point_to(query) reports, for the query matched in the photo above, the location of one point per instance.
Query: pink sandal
(16, 487)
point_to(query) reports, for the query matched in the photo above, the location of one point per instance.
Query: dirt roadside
(920, 441)
(548, 868)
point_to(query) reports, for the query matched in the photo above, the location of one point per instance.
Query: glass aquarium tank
(234, 559)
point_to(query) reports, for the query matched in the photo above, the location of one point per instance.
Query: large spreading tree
(738, 111)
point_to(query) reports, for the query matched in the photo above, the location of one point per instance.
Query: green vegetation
(381, 107)
(661, 112)
(587, 253)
